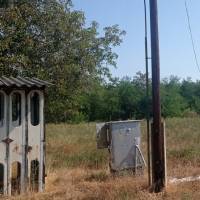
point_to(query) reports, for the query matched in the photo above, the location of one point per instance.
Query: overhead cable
(191, 36)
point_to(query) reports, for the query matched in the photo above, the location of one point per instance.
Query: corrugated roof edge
(23, 82)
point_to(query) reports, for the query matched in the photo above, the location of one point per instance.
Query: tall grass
(77, 170)
(70, 146)
(183, 146)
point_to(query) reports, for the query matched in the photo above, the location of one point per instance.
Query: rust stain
(16, 148)
(30, 148)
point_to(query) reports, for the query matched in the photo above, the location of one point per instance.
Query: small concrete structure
(22, 136)
(122, 138)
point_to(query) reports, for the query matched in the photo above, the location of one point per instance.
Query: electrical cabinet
(122, 138)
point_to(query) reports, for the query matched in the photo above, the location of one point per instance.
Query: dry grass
(76, 170)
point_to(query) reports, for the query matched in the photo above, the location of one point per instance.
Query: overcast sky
(176, 52)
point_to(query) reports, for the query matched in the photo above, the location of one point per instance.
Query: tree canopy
(48, 39)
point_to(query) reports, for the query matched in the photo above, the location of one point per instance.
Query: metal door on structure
(35, 140)
(125, 136)
(12, 138)
(17, 141)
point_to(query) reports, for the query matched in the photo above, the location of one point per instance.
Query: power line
(147, 95)
(191, 36)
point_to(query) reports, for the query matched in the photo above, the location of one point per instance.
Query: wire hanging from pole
(147, 96)
(191, 36)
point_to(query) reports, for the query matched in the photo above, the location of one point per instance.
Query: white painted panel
(17, 134)
(36, 137)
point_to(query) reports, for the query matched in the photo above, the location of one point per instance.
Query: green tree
(188, 90)
(49, 40)
(173, 104)
(139, 82)
(128, 99)
(111, 102)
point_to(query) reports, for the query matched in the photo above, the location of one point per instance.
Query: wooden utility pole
(147, 95)
(158, 161)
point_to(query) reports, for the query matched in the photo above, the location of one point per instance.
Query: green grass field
(77, 170)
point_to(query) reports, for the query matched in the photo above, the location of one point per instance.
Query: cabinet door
(125, 136)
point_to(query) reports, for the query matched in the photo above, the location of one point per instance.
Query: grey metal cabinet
(122, 138)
